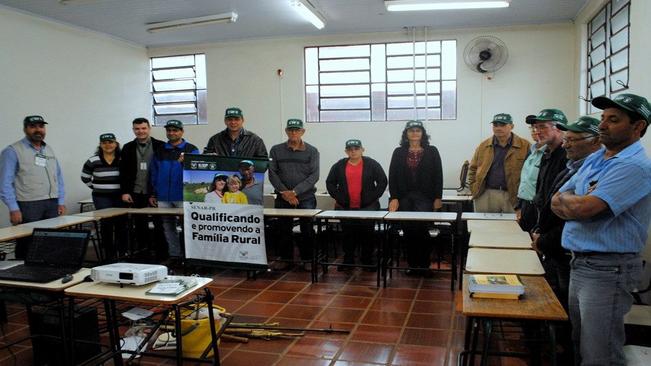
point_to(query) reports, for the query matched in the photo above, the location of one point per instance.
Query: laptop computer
(52, 254)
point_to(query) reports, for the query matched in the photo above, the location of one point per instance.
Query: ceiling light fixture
(416, 5)
(309, 13)
(192, 22)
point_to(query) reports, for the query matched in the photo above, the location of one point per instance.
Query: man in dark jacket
(135, 166)
(554, 159)
(357, 183)
(167, 179)
(234, 140)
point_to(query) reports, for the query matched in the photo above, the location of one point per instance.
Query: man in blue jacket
(167, 179)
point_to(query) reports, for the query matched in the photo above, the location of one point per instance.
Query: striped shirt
(101, 176)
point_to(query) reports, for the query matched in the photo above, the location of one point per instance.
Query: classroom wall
(540, 73)
(82, 82)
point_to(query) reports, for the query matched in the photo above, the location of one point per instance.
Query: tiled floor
(412, 322)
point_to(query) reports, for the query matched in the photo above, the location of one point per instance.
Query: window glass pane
(598, 38)
(174, 97)
(408, 102)
(168, 74)
(449, 100)
(405, 48)
(408, 88)
(202, 103)
(344, 51)
(401, 114)
(345, 64)
(598, 89)
(175, 108)
(378, 63)
(619, 41)
(397, 62)
(430, 113)
(345, 103)
(621, 76)
(598, 55)
(187, 119)
(619, 61)
(418, 74)
(378, 101)
(619, 21)
(172, 61)
(598, 72)
(311, 66)
(617, 4)
(174, 85)
(345, 77)
(200, 69)
(312, 103)
(344, 90)
(449, 58)
(599, 19)
(333, 116)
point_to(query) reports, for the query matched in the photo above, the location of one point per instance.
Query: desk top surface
(54, 286)
(105, 213)
(507, 261)
(290, 212)
(15, 232)
(538, 302)
(351, 214)
(497, 234)
(452, 195)
(113, 291)
(178, 211)
(421, 216)
(87, 201)
(59, 222)
(488, 216)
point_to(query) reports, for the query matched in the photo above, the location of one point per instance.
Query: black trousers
(154, 242)
(529, 215)
(284, 241)
(416, 234)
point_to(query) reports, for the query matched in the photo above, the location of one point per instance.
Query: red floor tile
(275, 296)
(377, 333)
(425, 337)
(296, 361)
(238, 294)
(256, 284)
(340, 315)
(436, 321)
(433, 307)
(366, 352)
(309, 347)
(397, 293)
(299, 312)
(311, 299)
(243, 358)
(322, 288)
(259, 309)
(384, 318)
(288, 286)
(435, 295)
(351, 302)
(407, 355)
(402, 306)
(351, 290)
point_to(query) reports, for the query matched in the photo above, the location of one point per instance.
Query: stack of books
(495, 286)
(172, 285)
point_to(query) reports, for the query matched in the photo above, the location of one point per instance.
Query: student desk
(506, 261)
(321, 252)
(88, 202)
(15, 232)
(497, 234)
(538, 304)
(59, 222)
(105, 214)
(53, 290)
(488, 216)
(432, 217)
(111, 293)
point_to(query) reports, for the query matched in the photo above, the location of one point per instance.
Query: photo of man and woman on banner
(224, 220)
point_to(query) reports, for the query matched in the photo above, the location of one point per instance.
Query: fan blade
(479, 68)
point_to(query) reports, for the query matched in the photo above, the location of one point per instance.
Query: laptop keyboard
(35, 274)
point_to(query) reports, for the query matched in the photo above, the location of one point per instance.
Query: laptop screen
(57, 247)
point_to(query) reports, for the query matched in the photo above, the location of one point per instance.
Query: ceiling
(127, 19)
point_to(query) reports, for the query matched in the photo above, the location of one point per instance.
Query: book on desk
(172, 286)
(495, 286)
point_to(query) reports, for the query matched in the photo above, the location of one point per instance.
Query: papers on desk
(172, 286)
(495, 286)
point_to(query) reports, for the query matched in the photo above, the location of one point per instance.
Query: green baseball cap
(550, 114)
(294, 123)
(583, 124)
(174, 123)
(30, 120)
(629, 102)
(233, 112)
(106, 137)
(353, 143)
(504, 118)
(414, 123)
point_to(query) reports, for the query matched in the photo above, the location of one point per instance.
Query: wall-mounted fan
(485, 54)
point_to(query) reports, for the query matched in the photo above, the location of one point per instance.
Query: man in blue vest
(32, 183)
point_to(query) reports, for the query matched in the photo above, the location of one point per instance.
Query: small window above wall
(178, 89)
(381, 82)
(608, 51)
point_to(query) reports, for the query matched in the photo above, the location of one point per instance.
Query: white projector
(129, 273)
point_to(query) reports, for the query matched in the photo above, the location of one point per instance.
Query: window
(608, 51)
(178, 89)
(381, 82)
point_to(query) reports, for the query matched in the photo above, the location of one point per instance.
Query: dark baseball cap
(414, 123)
(107, 137)
(550, 115)
(583, 124)
(353, 143)
(630, 102)
(294, 124)
(174, 123)
(233, 112)
(504, 118)
(32, 120)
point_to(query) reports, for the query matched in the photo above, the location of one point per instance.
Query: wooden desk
(110, 293)
(53, 286)
(451, 195)
(497, 234)
(488, 216)
(507, 261)
(538, 303)
(351, 214)
(10, 233)
(105, 213)
(290, 212)
(174, 211)
(84, 203)
(59, 222)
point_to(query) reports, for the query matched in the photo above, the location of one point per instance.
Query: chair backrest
(463, 175)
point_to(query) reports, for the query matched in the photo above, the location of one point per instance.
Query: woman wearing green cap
(416, 184)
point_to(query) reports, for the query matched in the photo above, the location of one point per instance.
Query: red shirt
(354, 181)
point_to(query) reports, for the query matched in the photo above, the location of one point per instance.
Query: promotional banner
(224, 221)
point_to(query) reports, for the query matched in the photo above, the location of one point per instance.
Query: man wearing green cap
(234, 140)
(167, 179)
(494, 172)
(31, 180)
(293, 172)
(607, 208)
(357, 183)
(526, 213)
(251, 187)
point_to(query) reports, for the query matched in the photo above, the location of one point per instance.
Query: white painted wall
(540, 74)
(82, 82)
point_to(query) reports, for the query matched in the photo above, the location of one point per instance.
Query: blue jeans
(285, 243)
(169, 228)
(34, 211)
(599, 297)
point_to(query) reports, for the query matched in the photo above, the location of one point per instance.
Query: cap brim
(605, 103)
(503, 122)
(564, 127)
(35, 123)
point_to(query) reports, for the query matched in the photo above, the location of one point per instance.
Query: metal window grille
(381, 82)
(608, 51)
(178, 89)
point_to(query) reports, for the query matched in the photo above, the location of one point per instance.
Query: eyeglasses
(566, 140)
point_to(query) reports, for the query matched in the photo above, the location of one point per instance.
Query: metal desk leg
(179, 335)
(488, 330)
(378, 257)
(453, 270)
(213, 332)
(314, 272)
(114, 331)
(473, 342)
(552, 341)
